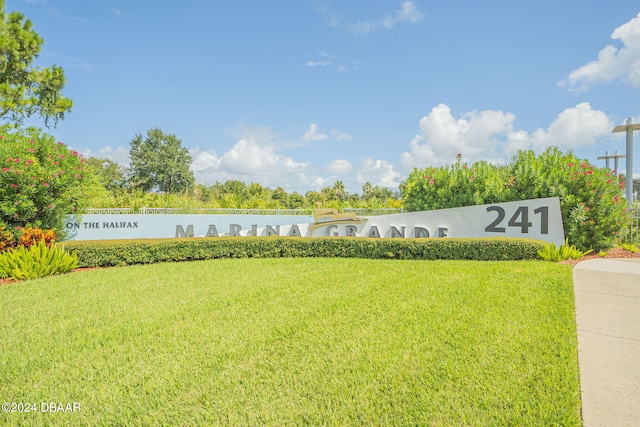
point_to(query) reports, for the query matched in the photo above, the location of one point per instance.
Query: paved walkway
(607, 295)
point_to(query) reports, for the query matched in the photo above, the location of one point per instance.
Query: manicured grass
(295, 341)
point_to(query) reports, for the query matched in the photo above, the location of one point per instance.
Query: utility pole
(629, 128)
(615, 158)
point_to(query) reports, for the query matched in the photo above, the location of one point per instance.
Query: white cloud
(203, 160)
(253, 158)
(339, 167)
(339, 135)
(312, 135)
(490, 135)
(407, 13)
(575, 127)
(613, 63)
(378, 172)
(332, 62)
(364, 28)
(318, 63)
(119, 154)
(256, 157)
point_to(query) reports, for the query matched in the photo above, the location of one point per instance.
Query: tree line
(160, 176)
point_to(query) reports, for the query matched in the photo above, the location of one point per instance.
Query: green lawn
(295, 342)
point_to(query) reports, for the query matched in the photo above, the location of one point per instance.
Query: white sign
(537, 219)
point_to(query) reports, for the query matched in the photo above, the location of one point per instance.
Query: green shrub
(564, 252)
(41, 180)
(630, 247)
(127, 252)
(593, 212)
(39, 260)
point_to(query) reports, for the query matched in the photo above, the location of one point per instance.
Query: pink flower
(616, 199)
(51, 206)
(570, 165)
(61, 156)
(458, 155)
(60, 143)
(79, 176)
(613, 171)
(31, 150)
(17, 160)
(46, 184)
(14, 185)
(587, 208)
(29, 161)
(5, 169)
(589, 172)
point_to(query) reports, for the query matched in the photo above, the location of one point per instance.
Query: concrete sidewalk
(607, 293)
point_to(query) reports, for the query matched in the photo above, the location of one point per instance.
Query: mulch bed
(612, 253)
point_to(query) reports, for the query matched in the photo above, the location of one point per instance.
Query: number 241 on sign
(520, 218)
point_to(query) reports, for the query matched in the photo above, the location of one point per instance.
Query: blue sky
(302, 93)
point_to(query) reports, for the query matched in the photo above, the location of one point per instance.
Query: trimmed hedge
(104, 253)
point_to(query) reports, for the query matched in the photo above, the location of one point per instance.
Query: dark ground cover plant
(148, 251)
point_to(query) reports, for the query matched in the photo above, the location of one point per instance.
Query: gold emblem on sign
(323, 217)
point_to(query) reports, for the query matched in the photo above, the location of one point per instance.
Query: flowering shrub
(41, 180)
(455, 185)
(593, 211)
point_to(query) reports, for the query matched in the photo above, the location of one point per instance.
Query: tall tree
(159, 162)
(24, 89)
(110, 174)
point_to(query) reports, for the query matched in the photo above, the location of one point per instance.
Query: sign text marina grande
(537, 219)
